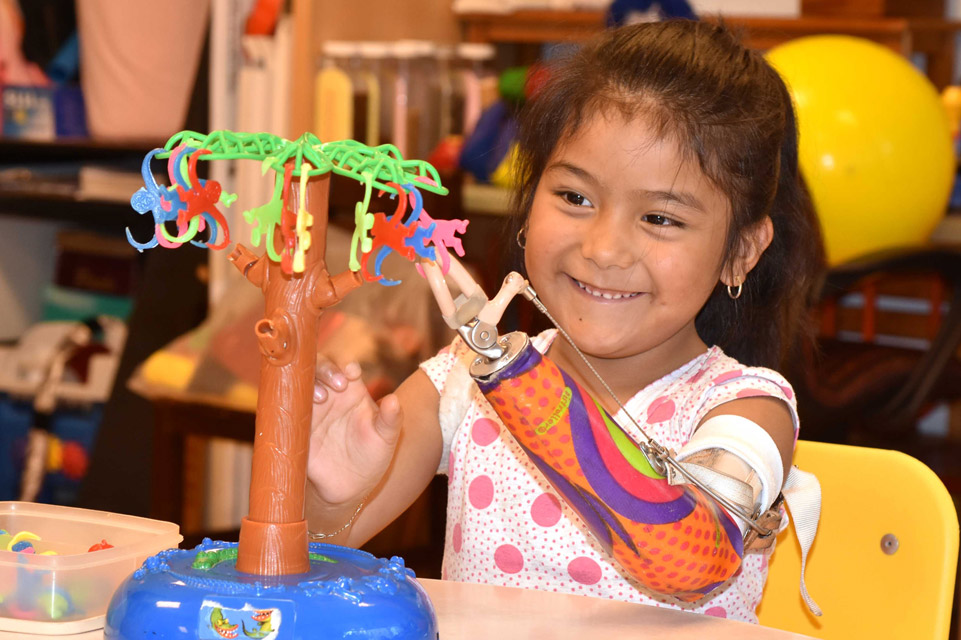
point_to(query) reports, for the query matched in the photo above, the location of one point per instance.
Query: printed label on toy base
(232, 618)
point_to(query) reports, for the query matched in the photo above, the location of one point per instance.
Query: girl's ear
(754, 242)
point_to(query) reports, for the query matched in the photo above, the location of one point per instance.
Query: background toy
(875, 145)
(624, 11)
(54, 382)
(14, 68)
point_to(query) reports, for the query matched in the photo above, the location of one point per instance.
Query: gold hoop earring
(735, 292)
(522, 237)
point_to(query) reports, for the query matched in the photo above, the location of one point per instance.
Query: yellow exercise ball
(875, 146)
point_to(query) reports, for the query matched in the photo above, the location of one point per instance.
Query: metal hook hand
(471, 314)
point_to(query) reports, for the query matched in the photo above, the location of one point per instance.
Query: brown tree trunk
(273, 536)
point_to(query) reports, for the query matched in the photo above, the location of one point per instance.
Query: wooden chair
(884, 561)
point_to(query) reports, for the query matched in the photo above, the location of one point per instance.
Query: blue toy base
(198, 593)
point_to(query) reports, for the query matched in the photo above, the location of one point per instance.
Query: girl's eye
(660, 220)
(574, 198)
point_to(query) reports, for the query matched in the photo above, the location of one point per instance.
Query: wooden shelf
(108, 217)
(531, 26)
(929, 36)
(73, 149)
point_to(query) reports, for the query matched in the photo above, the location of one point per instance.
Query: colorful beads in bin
(100, 546)
(31, 600)
(21, 542)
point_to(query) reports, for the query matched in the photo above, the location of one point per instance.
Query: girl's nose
(607, 243)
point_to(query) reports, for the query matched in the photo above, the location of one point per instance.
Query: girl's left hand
(352, 437)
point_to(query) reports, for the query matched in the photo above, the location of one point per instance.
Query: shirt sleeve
(448, 371)
(748, 382)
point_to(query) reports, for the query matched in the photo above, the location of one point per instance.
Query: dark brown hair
(694, 82)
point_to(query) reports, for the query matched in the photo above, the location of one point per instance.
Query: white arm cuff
(750, 443)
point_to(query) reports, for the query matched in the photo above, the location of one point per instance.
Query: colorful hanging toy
(191, 205)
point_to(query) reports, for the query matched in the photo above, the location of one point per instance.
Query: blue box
(43, 113)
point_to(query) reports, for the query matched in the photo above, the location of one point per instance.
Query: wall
(27, 258)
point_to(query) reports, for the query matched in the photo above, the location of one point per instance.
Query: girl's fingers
(320, 393)
(329, 374)
(388, 420)
(352, 371)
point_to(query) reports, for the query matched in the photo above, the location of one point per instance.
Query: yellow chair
(884, 561)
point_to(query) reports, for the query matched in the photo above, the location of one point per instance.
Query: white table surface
(477, 612)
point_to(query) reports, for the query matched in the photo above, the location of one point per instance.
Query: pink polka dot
(727, 375)
(717, 612)
(484, 431)
(660, 409)
(546, 510)
(457, 537)
(481, 492)
(584, 570)
(508, 558)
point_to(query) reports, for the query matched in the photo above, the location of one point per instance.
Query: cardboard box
(43, 113)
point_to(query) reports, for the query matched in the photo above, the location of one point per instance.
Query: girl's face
(626, 241)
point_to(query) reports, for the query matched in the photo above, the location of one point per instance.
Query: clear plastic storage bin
(69, 592)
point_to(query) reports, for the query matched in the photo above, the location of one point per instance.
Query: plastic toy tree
(297, 287)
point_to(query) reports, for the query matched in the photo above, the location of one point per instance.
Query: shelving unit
(58, 199)
(932, 37)
(170, 296)
(94, 215)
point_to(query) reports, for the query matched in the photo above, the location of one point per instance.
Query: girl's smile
(606, 294)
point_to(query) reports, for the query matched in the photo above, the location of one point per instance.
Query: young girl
(666, 229)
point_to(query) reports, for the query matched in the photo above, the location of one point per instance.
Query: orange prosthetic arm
(674, 539)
